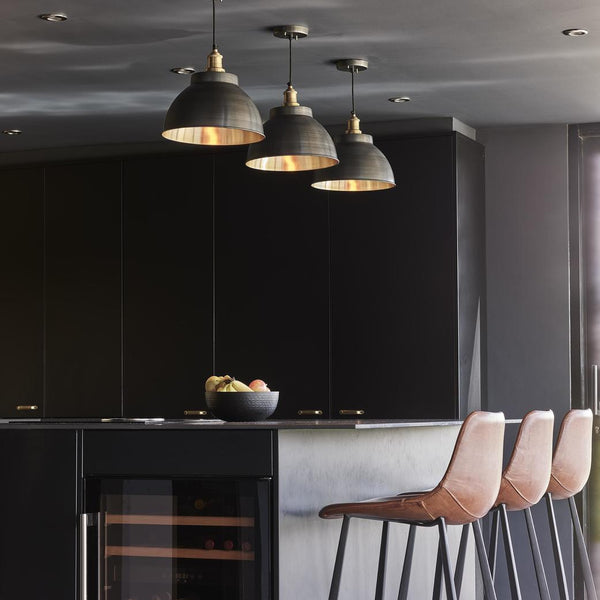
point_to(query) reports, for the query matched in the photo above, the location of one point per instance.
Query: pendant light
(213, 110)
(363, 167)
(295, 141)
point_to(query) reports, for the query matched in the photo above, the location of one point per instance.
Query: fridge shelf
(195, 553)
(174, 520)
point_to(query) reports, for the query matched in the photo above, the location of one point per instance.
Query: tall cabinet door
(21, 293)
(83, 290)
(38, 504)
(168, 285)
(393, 274)
(272, 284)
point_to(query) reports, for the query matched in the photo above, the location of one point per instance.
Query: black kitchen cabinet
(125, 284)
(407, 285)
(38, 504)
(168, 285)
(83, 290)
(272, 283)
(21, 292)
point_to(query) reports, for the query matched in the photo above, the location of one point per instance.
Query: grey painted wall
(528, 347)
(527, 269)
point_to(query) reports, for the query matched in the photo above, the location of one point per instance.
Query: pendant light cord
(290, 61)
(353, 71)
(214, 26)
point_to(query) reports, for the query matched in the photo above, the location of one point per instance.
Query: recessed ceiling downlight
(53, 17)
(12, 132)
(399, 99)
(575, 32)
(183, 70)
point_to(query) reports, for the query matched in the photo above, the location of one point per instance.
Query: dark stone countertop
(218, 424)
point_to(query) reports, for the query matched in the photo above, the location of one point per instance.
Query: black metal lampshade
(363, 167)
(295, 142)
(213, 110)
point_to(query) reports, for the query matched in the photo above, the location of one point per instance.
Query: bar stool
(571, 467)
(524, 482)
(464, 495)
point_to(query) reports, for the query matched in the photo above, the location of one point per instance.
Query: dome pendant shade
(295, 142)
(363, 167)
(213, 110)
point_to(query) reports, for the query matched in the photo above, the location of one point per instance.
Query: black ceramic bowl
(242, 406)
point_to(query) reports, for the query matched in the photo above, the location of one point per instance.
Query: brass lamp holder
(353, 66)
(214, 61)
(290, 32)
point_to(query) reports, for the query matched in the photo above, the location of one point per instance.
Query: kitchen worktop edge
(217, 424)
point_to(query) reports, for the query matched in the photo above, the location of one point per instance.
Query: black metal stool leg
(590, 587)
(379, 590)
(405, 579)
(460, 559)
(537, 557)
(437, 580)
(339, 560)
(447, 568)
(488, 583)
(561, 578)
(511, 565)
(493, 549)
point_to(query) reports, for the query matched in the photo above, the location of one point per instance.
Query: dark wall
(527, 269)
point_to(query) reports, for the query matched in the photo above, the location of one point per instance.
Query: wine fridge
(175, 539)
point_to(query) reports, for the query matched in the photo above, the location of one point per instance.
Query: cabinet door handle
(306, 412)
(83, 555)
(27, 407)
(352, 411)
(595, 407)
(90, 520)
(195, 413)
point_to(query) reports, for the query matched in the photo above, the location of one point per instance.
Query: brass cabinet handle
(195, 413)
(310, 412)
(27, 407)
(346, 411)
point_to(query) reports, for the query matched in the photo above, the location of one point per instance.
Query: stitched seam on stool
(459, 504)
(562, 485)
(516, 490)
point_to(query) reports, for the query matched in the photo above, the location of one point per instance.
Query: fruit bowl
(242, 406)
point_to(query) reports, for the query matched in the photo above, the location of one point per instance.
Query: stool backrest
(572, 460)
(473, 475)
(526, 476)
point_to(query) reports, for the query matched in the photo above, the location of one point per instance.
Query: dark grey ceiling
(103, 76)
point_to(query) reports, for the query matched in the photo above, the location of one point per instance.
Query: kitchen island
(308, 464)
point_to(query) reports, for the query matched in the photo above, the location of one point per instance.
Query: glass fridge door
(176, 539)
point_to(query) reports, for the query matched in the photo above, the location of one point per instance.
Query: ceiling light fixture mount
(575, 32)
(183, 70)
(213, 110)
(352, 65)
(363, 167)
(53, 17)
(12, 132)
(289, 32)
(295, 140)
